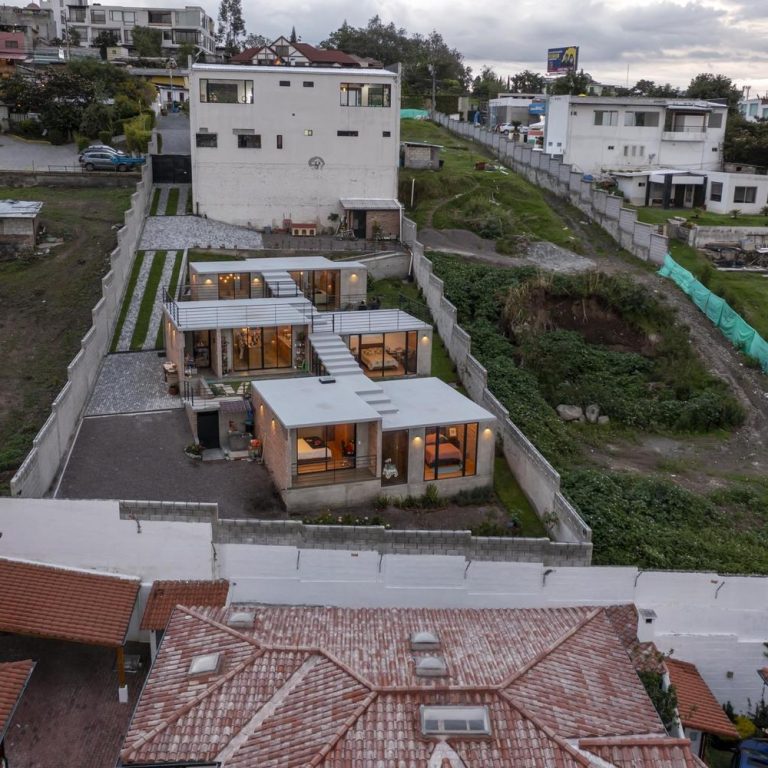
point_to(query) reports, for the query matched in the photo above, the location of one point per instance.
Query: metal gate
(172, 169)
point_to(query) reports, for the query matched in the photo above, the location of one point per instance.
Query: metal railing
(345, 469)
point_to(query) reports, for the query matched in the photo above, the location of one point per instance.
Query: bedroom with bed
(385, 354)
(325, 448)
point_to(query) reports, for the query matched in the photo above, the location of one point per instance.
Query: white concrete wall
(261, 187)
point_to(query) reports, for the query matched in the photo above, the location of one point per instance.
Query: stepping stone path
(126, 334)
(165, 189)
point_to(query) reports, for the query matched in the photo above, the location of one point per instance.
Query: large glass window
(394, 457)
(326, 448)
(744, 194)
(642, 119)
(98, 17)
(350, 95)
(210, 140)
(385, 354)
(716, 120)
(181, 36)
(716, 191)
(226, 91)
(450, 451)
(324, 286)
(606, 117)
(77, 14)
(198, 349)
(159, 17)
(379, 95)
(258, 348)
(234, 285)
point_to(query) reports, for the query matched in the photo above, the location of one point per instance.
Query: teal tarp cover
(414, 114)
(733, 326)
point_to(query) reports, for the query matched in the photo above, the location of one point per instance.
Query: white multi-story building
(754, 109)
(597, 134)
(296, 149)
(190, 24)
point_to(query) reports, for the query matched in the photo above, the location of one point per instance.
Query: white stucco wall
(261, 187)
(730, 181)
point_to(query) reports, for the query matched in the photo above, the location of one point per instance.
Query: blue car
(751, 753)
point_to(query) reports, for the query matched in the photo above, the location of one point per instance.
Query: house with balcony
(658, 150)
(339, 394)
(179, 25)
(297, 149)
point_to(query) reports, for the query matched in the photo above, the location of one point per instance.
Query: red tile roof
(166, 595)
(64, 604)
(336, 687)
(310, 52)
(696, 703)
(643, 753)
(14, 676)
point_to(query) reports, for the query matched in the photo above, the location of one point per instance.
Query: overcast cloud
(665, 41)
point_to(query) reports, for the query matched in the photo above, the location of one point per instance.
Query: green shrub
(82, 142)
(55, 136)
(105, 137)
(30, 128)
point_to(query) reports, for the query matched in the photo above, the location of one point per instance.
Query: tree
(574, 83)
(97, 117)
(255, 41)
(73, 36)
(184, 52)
(231, 26)
(294, 39)
(745, 142)
(709, 86)
(104, 40)
(649, 88)
(488, 85)
(148, 42)
(527, 82)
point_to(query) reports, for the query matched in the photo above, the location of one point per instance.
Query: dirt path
(698, 463)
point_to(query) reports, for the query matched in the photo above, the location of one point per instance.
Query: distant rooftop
(19, 209)
(277, 264)
(166, 595)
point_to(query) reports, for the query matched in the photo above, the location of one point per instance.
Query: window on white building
(206, 140)
(606, 117)
(642, 119)
(346, 133)
(744, 194)
(249, 141)
(160, 17)
(716, 191)
(98, 17)
(716, 120)
(227, 91)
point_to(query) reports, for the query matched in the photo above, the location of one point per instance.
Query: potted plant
(194, 451)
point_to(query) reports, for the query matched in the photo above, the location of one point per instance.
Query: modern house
(746, 192)
(297, 148)
(755, 108)
(186, 25)
(523, 108)
(254, 685)
(656, 149)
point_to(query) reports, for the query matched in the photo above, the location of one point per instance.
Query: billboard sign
(560, 61)
(537, 108)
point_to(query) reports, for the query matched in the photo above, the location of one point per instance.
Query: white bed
(373, 360)
(307, 453)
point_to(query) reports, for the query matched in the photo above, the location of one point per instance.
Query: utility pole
(171, 67)
(432, 70)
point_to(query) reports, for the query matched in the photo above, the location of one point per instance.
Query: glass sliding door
(450, 451)
(394, 457)
(388, 354)
(262, 348)
(325, 448)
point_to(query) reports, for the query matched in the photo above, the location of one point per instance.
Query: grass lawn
(127, 298)
(489, 203)
(705, 218)
(172, 291)
(512, 497)
(155, 202)
(45, 307)
(213, 256)
(148, 301)
(172, 204)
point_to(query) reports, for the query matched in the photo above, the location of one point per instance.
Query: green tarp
(742, 335)
(414, 114)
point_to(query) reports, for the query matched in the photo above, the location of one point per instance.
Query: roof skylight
(424, 641)
(241, 619)
(204, 664)
(445, 720)
(431, 666)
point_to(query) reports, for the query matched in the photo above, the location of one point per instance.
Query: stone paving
(126, 333)
(142, 457)
(131, 382)
(165, 190)
(179, 232)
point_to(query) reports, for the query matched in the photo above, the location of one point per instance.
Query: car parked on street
(103, 148)
(102, 160)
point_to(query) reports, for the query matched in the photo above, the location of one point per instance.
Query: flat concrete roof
(282, 263)
(306, 402)
(428, 402)
(242, 313)
(370, 203)
(22, 209)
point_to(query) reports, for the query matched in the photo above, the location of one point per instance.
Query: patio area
(141, 456)
(69, 714)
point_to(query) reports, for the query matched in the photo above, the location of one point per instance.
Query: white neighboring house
(285, 148)
(746, 192)
(754, 109)
(179, 25)
(598, 134)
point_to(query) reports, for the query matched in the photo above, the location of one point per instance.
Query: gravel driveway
(18, 155)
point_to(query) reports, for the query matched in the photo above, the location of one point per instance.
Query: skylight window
(431, 666)
(241, 619)
(446, 721)
(424, 641)
(205, 664)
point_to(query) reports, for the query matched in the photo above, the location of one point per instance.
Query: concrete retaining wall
(52, 442)
(63, 179)
(387, 265)
(537, 477)
(544, 171)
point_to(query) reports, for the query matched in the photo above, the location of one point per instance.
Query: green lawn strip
(172, 204)
(512, 497)
(702, 218)
(194, 255)
(155, 202)
(148, 301)
(172, 291)
(137, 262)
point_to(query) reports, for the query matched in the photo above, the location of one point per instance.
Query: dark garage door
(171, 169)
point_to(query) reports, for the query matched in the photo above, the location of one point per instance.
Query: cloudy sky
(665, 40)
